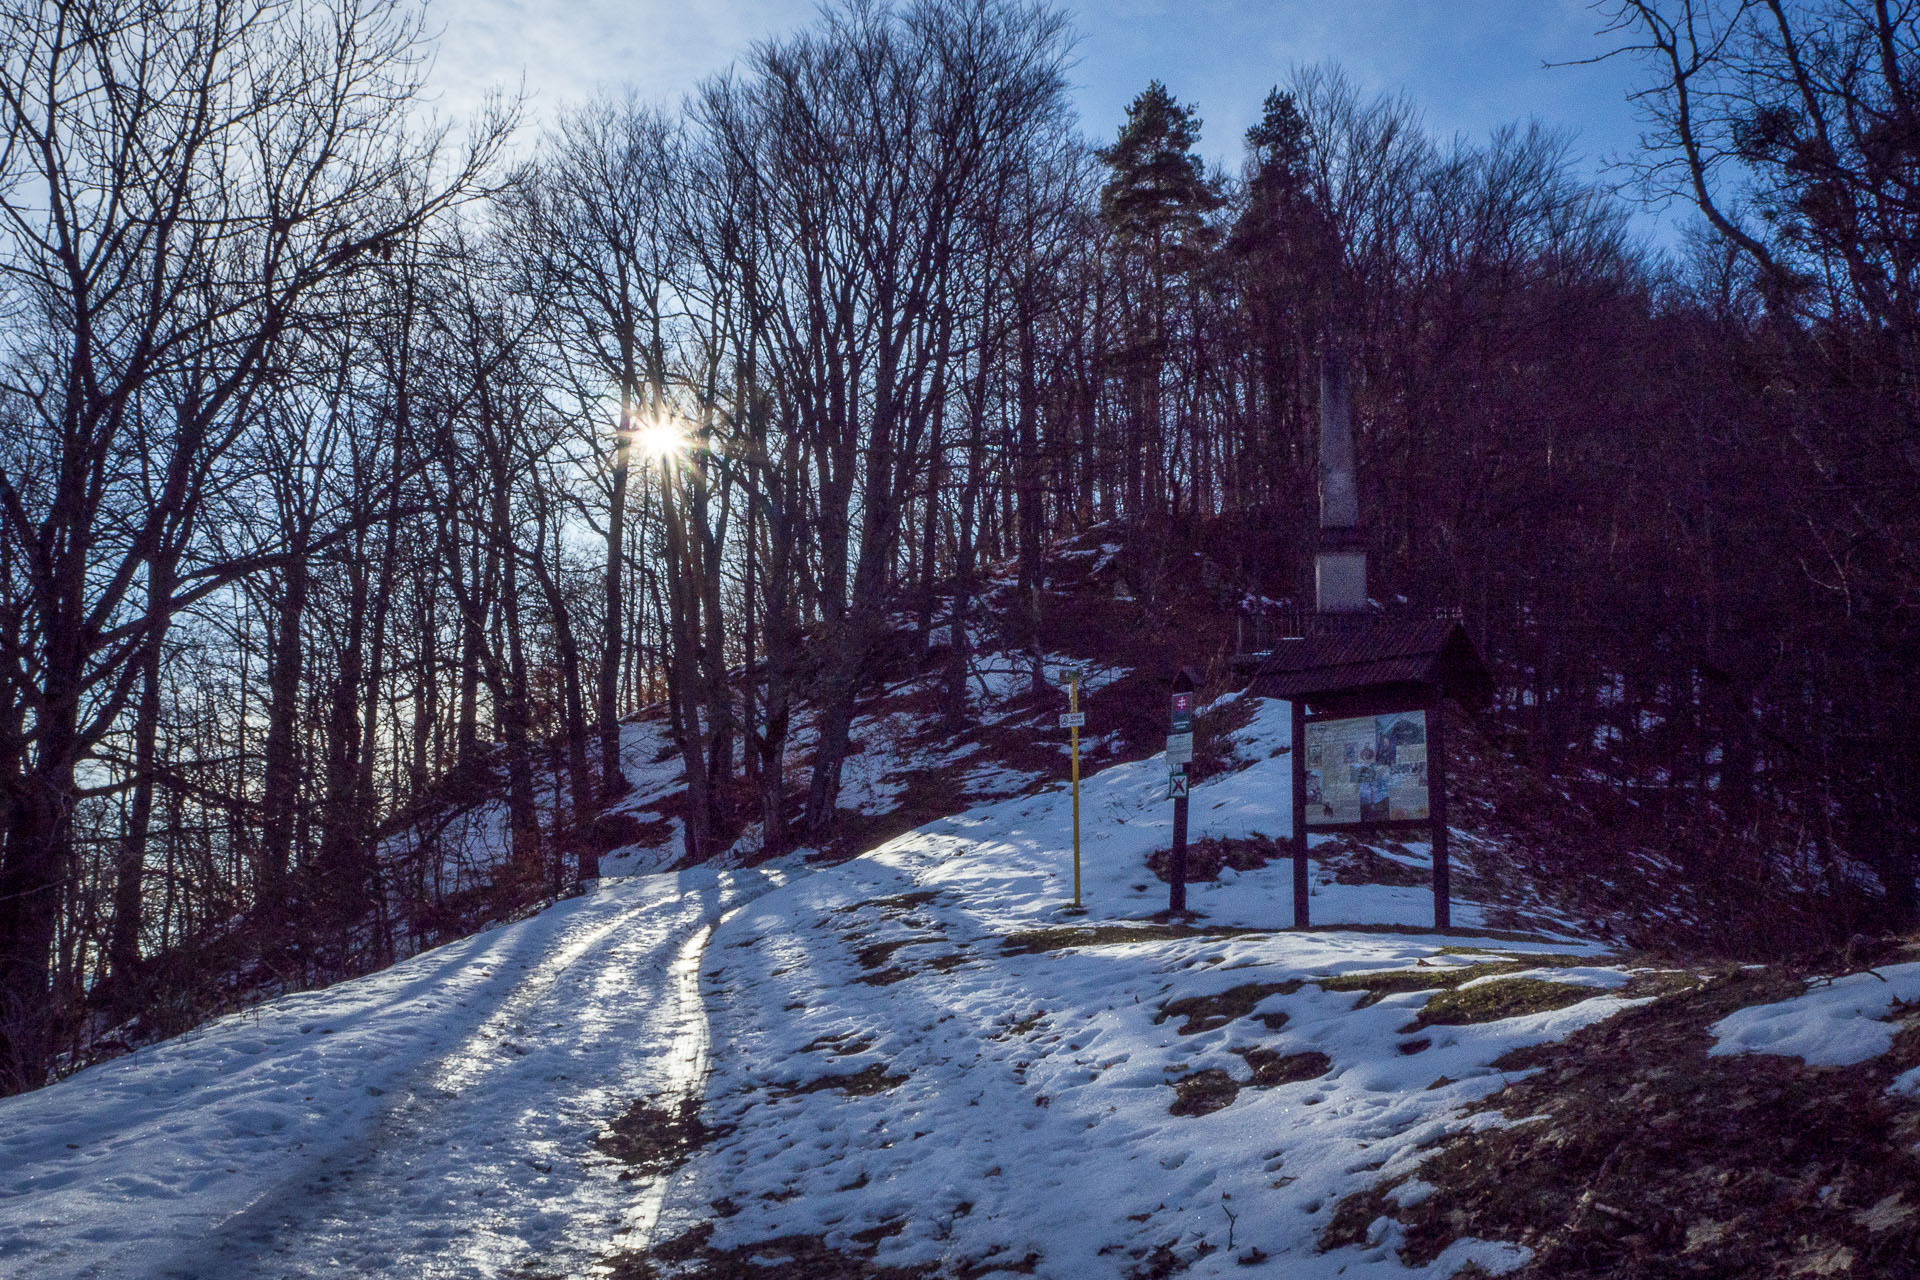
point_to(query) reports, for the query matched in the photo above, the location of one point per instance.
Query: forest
(347, 461)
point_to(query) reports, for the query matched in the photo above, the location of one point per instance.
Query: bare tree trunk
(34, 865)
(475, 606)
(687, 683)
(613, 783)
(579, 784)
(340, 888)
(123, 947)
(280, 779)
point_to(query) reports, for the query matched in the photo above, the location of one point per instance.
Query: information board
(1367, 769)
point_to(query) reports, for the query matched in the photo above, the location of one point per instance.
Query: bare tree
(178, 179)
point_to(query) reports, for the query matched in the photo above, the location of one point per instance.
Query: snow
(1833, 1024)
(1018, 1102)
(434, 1119)
(884, 1052)
(1124, 817)
(1031, 1112)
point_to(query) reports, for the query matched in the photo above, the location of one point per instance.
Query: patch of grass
(1648, 1159)
(656, 1139)
(1421, 930)
(1499, 998)
(1204, 1013)
(865, 1082)
(1380, 983)
(1659, 982)
(1034, 941)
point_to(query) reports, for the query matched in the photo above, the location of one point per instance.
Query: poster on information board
(1367, 769)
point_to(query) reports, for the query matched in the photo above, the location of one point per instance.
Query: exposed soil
(1203, 1093)
(845, 1045)
(1352, 862)
(656, 1139)
(1206, 858)
(1271, 1068)
(1204, 1013)
(691, 1256)
(869, 1080)
(1633, 1155)
(797, 1257)
(1499, 998)
(1034, 941)
(616, 829)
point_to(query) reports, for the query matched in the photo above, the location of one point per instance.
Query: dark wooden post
(1180, 722)
(1177, 891)
(1437, 811)
(1300, 814)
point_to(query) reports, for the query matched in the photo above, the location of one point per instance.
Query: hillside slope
(935, 1068)
(921, 1062)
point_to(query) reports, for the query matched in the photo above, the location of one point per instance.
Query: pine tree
(1156, 202)
(1159, 195)
(1280, 213)
(1283, 255)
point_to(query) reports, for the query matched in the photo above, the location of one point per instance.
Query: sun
(661, 438)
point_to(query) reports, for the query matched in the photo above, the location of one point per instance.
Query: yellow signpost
(1074, 718)
(1074, 722)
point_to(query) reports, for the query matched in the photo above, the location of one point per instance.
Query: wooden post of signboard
(1300, 813)
(1437, 813)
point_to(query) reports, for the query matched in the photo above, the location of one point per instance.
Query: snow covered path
(435, 1119)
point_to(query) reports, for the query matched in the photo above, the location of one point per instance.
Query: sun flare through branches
(660, 438)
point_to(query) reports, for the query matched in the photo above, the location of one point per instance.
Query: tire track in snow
(486, 1157)
(687, 1075)
(642, 1229)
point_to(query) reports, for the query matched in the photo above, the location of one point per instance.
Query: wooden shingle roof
(1376, 654)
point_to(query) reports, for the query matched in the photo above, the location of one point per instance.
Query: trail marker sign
(1179, 752)
(1073, 719)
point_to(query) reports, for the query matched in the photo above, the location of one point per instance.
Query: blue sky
(1469, 65)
